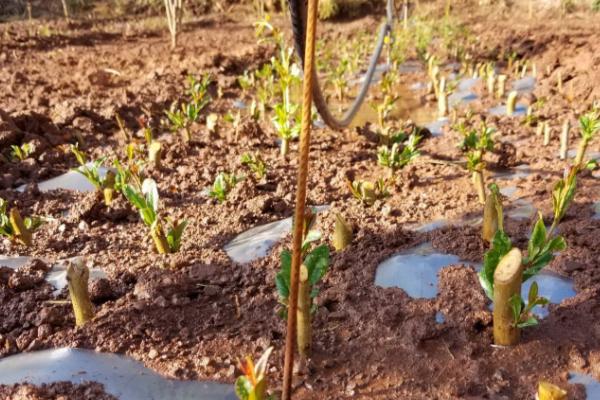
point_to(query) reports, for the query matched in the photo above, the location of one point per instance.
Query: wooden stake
(511, 102)
(479, 185)
(78, 276)
(547, 133)
(564, 139)
(309, 52)
(492, 217)
(507, 283)
(109, 188)
(342, 235)
(501, 86)
(160, 241)
(22, 234)
(155, 154)
(491, 83)
(549, 391)
(442, 99)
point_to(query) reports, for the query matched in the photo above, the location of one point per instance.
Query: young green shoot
(253, 384)
(255, 164)
(16, 228)
(21, 152)
(146, 200)
(522, 314)
(91, 171)
(399, 156)
(475, 144)
(590, 126)
(313, 269)
(368, 192)
(222, 186)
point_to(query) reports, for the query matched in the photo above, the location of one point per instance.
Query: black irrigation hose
(298, 16)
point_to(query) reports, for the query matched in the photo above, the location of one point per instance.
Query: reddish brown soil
(199, 311)
(55, 391)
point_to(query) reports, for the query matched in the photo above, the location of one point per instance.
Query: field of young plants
(149, 157)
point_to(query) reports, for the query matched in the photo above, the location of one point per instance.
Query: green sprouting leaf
(556, 244)
(563, 194)
(537, 239)
(591, 165)
(243, 388)
(150, 192)
(175, 234)
(501, 245)
(317, 263)
(533, 293)
(590, 125)
(529, 322)
(134, 198)
(537, 265)
(516, 305)
(32, 223)
(79, 155)
(282, 279)
(311, 236)
(148, 216)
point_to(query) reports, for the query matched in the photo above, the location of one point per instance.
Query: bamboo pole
(507, 283)
(309, 52)
(77, 277)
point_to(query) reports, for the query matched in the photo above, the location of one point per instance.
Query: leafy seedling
(475, 144)
(255, 164)
(146, 201)
(16, 228)
(399, 156)
(314, 267)
(522, 314)
(590, 126)
(287, 122)
(222, 186)
(91, 171)
(253, 384)
(368, 192)
(21, 152)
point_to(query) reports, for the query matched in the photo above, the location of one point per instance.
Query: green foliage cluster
(222, 185)
(399, 155)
